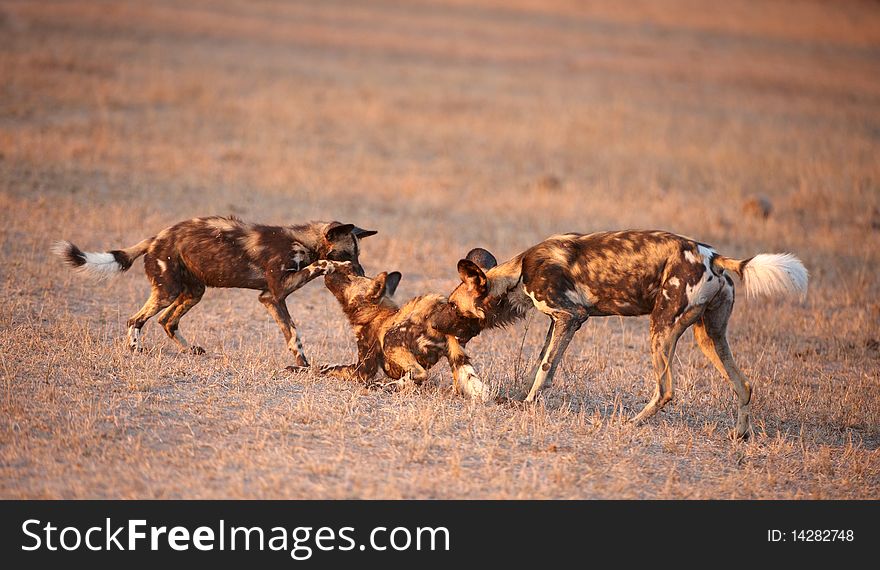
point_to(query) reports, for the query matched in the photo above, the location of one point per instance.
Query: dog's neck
(507, 301)
(310, 235)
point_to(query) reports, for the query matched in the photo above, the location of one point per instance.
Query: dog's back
(411, 331)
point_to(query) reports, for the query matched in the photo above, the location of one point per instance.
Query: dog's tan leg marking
(154, 304)
(710, 333)
(561, 332)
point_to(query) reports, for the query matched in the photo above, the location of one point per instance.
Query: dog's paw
(196, 350)
(296, 369)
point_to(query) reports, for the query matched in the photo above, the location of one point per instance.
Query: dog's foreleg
(561, 332)
(464, 378)
(275, 302)
(278, 309)
(296, 279)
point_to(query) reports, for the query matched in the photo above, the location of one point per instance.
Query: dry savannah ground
(444, 126)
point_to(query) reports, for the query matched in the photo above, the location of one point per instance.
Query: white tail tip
(775, 274)
(98, 264)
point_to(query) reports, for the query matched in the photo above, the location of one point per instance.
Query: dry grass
(445, 127)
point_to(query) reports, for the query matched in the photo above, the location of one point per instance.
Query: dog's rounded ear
(473, 277)
(336, 231)
(361, 233)
(391, 283)
(379, 285)
(482, 258)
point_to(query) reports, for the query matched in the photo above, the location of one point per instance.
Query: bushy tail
(768, 273)
(100, 264)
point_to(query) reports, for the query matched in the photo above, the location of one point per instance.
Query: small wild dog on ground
(184, 259)
(403, 341)
(679, 282)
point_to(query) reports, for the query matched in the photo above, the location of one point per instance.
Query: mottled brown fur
(183, 260)
(403, 341)
(677, 281)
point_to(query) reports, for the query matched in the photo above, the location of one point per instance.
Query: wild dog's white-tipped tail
(100, 264)
(773, 274)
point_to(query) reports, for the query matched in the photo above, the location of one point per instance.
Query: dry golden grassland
(445, 126)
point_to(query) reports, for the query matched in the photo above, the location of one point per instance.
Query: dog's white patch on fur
(134, 337)
(775, 273)
(674, 282)
(100, 264)
(471, 384)
(295, 344)
(703, 290)
(665, 295)
(540, 305)
(162, 265)
(707, 253)
(300, 256)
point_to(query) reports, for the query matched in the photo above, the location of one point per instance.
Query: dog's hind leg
(668, 322)
(710, 333)
(166, 287)
(160, 298)
(170, 319)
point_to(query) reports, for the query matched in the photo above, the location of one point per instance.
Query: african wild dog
(403, 341)
(677, 281)
(184, 259)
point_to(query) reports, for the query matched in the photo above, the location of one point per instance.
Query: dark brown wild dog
(403, 341)
(184, 259)
(679, 282)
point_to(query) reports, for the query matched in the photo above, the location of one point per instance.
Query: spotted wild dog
(679, 282)
(184, 259)
(403, 341)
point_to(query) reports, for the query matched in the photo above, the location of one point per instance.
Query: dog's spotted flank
(677, 281)
(403, 341)
(183, 260)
